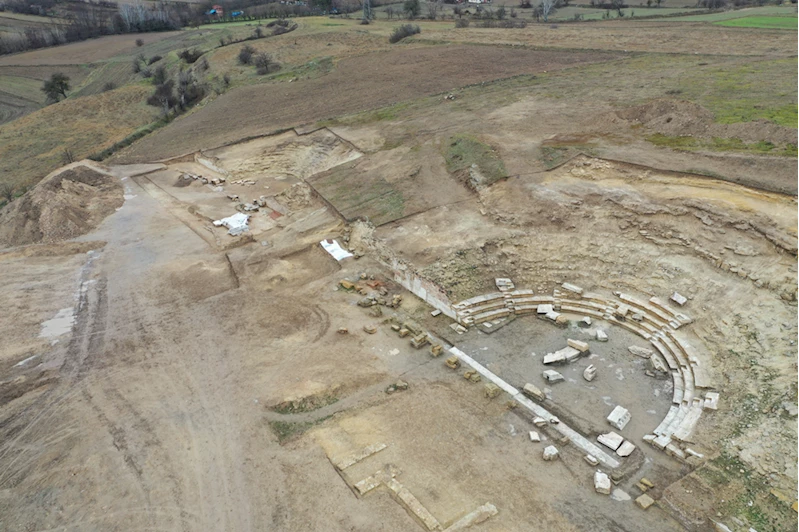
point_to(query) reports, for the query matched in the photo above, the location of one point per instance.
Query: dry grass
(33, 146)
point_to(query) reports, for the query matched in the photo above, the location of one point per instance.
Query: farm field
(771, 23)
(309, 299)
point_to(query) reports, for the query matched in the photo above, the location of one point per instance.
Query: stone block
(601, 336)
(581, 346)
(584, 323)
(611, 440)
(642, 352)
(644, 501)
(471, 375)
(648, 483)
(601, 483)
(591, 460)
(435, 313)
(712, 400)
(436, 350)
(619, 417)
(539, 422)
(491, 390)
(572, 288)
(589, 373)
(679, 299)
(369, 329)
(534, 436)
(552, 315)
(552, 376)
(551, 453)
(544, 308)
(554, 358)
(533, 392)
(625, 449)
(453, 362)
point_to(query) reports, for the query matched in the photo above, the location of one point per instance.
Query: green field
(738, 13)
(772, 23)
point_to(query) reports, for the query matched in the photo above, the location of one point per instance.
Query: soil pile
(67, 203)
(681, 118)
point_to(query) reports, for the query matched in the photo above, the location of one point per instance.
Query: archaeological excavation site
(494, 303)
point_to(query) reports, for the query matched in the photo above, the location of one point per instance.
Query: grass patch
(463, 151)
(722, 144)
(771, 23)
(287, 430)
(306, 404)
(733, 14)
(310, 69)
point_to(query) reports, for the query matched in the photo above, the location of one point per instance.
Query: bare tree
(547, 7)
(432, 10)
(7, 192)
(389, 12)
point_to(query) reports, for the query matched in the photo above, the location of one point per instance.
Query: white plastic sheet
(333, 247)
(236, 224)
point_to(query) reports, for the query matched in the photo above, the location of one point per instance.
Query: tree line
(87, 21)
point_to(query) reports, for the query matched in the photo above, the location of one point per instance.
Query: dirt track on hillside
(365, 82)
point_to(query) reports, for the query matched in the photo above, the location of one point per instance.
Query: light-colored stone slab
(579, 345)
(619, 417)
(353, 458)
(611, 440)
(552, 376)
(625, 449)
(534, 436)
(551, 453)
(589, 373)
(534, 392)
(644, 501)
(572, 288)
(544, 308)
(480, 515)
(601, 336)
(712, 400)
(679, 299)
(601, 483)
(642, 352)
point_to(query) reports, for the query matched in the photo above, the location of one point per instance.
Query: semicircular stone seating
(654, 321)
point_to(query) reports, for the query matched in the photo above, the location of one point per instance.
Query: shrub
(109, 86)
(139, 42)
(154, 59)
(146, 73)
(462, 23)
(264, 63)
(406, 30)
(136, 66)
(190, 56)
(159, 76)
(245, 54)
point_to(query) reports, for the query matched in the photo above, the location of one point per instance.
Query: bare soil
(68, 203)
(90, 51)
(366, 82)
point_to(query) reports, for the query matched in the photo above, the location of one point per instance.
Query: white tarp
(236, 224)
(332, 247)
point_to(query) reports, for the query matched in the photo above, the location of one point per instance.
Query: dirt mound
(67, 203)
(681, 118)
